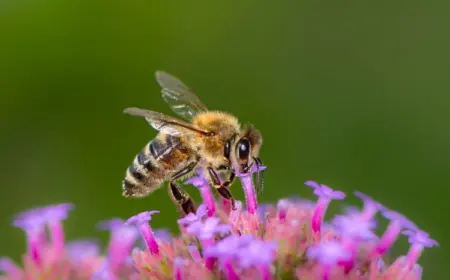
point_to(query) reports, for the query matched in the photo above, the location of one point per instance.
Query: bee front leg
(222, 189)
(180, 197)
(230, 180)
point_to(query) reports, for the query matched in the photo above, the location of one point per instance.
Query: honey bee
(210, 140)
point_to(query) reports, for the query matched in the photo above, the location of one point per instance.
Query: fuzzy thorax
(225, 127)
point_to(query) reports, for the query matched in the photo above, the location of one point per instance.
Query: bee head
(246, 149)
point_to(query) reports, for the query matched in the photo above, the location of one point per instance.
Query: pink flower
(289, 238)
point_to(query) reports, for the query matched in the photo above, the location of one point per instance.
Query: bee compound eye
(227, 149)
(243, 149)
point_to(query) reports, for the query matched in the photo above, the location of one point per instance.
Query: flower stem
(319, 213)
(326, 272)
(250, 195)
(413, 255)
(209, 261)
(388, 238)
(229, 270)
(226, 205)
(8, 267)
(208, 199)
(34, 247)
(149, 238)
(195, 254)
(57, 234)
(265, 272)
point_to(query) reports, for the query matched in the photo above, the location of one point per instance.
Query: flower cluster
(289, 240)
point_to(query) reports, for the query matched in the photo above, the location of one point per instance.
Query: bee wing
(180, 98)
(166, 124)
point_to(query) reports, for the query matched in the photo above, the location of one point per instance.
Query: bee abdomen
(137, 174)
(144, 175)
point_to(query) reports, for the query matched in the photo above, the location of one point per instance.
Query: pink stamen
(265, 272)
(229, 270)
(149, 238)
(282, 209)
(319, 212)
(209, 261)
(34, 247)
(10, 268)
(249, 191)
(326, 272)
(208, 199)
(226, 205)
(388, 238)
(57, 237)
(195, 254)
(413, 255)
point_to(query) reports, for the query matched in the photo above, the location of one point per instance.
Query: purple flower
(141, 218)
(140, 221)
(283, 205)
(229, 246)
(329, 254)
(198, 181)
(179, 263)
(194, 252)
(121, 241)
(325, 194)
(355, 227)
(418, 240)
(397, 217)
(8, 267)
(260, 254)
(249, 189)
(264, 210)
(33, 222)
(226, 250)
(324, 191)
(80, 249)
(104, 273)
(202, 184)
(191, 217)
(234, 214)
(257, 252)
(420, 237)
(111, 224)
(207, 229)
(163, 234)
(398, 222)
(57, 212)
(371, 207)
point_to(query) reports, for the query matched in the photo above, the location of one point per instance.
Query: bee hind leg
(180, 197)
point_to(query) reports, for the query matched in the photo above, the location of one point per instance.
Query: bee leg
(230, 180)
(222, 189)
(179, 196)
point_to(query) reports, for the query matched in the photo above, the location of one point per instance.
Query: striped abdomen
(157, 161)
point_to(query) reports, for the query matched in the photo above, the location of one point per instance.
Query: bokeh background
(354, 94)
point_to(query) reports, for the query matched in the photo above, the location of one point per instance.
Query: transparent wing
(166, 124)
(180, 98)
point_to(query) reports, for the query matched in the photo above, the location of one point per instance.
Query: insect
(211, 141)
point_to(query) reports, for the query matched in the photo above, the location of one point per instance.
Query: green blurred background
(354, 94)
